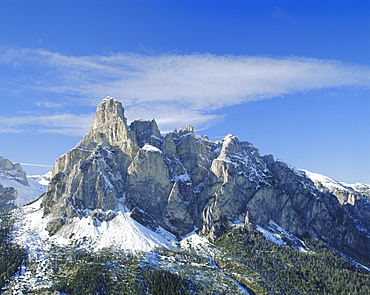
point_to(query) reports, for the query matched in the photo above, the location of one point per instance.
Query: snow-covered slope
(28, 193)
(122, 232)
(346, 193)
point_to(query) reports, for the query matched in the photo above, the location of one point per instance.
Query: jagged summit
(183, 181)
(108, 111)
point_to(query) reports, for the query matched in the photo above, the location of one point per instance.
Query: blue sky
(291, 77)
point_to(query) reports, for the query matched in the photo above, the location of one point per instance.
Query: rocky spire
(92, 175)
(109, 110)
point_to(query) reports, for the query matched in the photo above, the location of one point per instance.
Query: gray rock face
(184, 181)
(354, 199)
(146, 131)
(7, 197)
(148, 181)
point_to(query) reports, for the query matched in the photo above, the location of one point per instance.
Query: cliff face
(183, 181)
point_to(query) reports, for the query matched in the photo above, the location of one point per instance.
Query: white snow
(273, 237)
(352, 192)
(31, 234)
(181, 178)
(325, 181)
(331, 183)
(201, 245)
(122, 232)
(26, 194)
(275, 234)
(43, 179)
(193, 240)
(150, 148)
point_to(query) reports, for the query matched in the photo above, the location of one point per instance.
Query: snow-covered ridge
(326, 181)
(87, 232)
(332, 185)
(26, 194)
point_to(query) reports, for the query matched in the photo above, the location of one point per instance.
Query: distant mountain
(18, 189)
(202, 211)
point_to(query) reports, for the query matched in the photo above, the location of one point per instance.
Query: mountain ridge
(183, 181)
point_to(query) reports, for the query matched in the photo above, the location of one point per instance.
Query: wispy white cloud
(48, 104)
(67, 124)
(174, 89)
(278, 13)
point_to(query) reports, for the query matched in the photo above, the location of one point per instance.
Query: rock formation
(16, 188)
(11, 171)
(7, 197)
(183, 181)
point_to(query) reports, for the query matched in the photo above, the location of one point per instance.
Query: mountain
(183, 181)
(16, 188)
(196, 214)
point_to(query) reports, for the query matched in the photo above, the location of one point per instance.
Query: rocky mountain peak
(184, 181)
(108, 111)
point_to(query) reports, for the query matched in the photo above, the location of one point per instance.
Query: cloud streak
(278, 13)
(175, 89)
(66, 124)
(36, 165)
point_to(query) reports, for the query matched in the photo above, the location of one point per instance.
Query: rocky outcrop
(183, 181)
(12, 171)
(7, 197)
(11, 176)
(93, 174)
(146, 131)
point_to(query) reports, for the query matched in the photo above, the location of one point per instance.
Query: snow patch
(325, 181)
(122, 232)
(150, 148)
(273, 237)
(281, 237)
(181, 178)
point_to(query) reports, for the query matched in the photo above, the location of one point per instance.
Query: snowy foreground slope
(123, 233)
